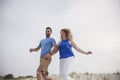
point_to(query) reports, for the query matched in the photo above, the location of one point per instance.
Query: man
(45, 58)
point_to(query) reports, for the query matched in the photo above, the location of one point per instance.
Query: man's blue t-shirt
(46, 45)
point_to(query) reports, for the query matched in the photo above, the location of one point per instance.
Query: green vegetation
(74, 75)
(8, 76)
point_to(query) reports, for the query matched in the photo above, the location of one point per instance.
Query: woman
(66, 53)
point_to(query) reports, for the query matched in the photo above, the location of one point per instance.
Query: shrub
(9, 76)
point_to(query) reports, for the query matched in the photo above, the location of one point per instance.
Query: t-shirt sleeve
(40, 43)
(53, 42)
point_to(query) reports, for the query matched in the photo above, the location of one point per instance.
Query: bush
(1, 77)
(72, 74)
(9, 76)
(86, 73)
(30, 76)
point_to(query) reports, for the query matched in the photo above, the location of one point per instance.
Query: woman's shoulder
(59, 42)
(71, 42)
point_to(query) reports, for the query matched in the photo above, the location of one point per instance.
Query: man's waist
(43, 55)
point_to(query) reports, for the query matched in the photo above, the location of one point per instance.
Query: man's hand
(89, 52)
(47, 56)
(31, 49)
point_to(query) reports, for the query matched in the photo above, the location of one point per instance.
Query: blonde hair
(68, 34)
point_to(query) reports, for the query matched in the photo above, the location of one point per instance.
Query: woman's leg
(64, 67)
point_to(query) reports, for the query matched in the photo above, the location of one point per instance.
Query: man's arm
(34, 49)
(52, 52)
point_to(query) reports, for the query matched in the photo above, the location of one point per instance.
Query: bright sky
(95, 25)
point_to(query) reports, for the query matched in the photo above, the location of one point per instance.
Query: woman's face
(63, 35)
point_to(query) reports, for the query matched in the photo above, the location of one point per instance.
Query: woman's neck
(64, 39)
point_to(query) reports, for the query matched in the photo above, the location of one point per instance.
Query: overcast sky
(95, 25)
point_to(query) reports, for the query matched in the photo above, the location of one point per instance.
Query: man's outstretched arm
(34, 49)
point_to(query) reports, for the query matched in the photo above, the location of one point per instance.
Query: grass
(76, 76)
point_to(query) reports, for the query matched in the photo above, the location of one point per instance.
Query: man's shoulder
(52, 38)
(41, 39)
(47, 39)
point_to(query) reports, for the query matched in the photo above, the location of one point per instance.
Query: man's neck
(47, 37)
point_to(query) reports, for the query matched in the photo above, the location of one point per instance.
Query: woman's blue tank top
(65, 49)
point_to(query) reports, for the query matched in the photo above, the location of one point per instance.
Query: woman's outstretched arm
(79, 49)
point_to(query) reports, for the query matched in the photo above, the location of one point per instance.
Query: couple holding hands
(49, 47)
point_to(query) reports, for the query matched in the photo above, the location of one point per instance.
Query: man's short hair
(49, 28)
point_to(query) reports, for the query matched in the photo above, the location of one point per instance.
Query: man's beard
(47, 35)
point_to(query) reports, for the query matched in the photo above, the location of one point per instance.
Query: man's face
(48, 32)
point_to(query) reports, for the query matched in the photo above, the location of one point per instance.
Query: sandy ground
(79, 77)
(114, 77)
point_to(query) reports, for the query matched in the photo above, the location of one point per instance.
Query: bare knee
(38, 73)
(46, 77)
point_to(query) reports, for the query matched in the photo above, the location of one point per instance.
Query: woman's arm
(52, 52)
(78, 49)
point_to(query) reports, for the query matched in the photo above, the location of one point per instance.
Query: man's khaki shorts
(43, 67)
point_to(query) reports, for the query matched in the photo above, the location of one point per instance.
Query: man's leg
(45, 72)
(40, 70)
(46, 77)
(39, 75)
